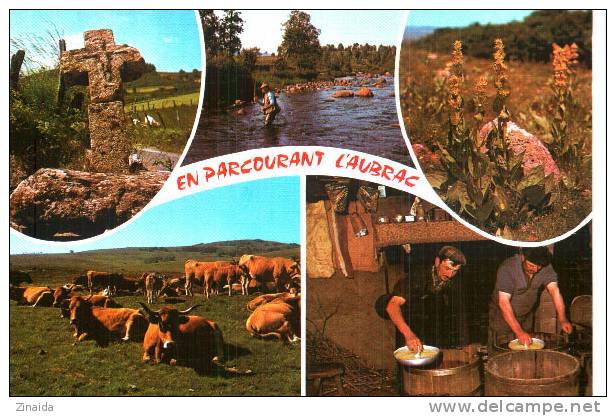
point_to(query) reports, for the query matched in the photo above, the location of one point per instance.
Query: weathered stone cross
(102, 66)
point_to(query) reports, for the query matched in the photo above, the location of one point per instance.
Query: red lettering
(222, 170)
(258, 163)
(375, 170)
(233, 168)
(319, 156)
(362, 168)
(409, 179)
(400, 175)
(282, 158)
(387, 170)
(338, 164)
(294, 159)
(192, 179)
(244, 169)
(270, 165)
(181, 183)
(352, 163)
(209, 173)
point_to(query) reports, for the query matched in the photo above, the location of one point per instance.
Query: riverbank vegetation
(459, 113)
(235, 73)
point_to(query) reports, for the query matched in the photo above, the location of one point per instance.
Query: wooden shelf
(394, 234)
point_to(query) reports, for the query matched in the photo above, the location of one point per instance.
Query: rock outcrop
(56, 204)
(364, 92)
(535, 152)
(343, 94)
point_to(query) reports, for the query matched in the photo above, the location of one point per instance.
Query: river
(311, 118)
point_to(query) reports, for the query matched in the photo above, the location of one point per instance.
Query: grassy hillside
(55, 269)
(43, 360)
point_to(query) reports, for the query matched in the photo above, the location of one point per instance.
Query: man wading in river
(270, 106)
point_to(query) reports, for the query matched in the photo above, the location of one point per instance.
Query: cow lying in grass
(31, 295)
(174, 337)
(102, 324)
(279, 318)
(269, 297)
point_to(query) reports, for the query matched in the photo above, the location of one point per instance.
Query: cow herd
(170, 335)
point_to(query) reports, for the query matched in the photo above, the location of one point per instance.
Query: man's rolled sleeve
(505, 281)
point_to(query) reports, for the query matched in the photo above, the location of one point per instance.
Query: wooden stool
(320, 372)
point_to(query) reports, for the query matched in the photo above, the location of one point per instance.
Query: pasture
(172, 100)
(44, 362)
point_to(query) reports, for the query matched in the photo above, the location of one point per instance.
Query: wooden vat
(532, 373)
(456, 373)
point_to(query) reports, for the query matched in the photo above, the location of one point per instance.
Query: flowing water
(311, 118)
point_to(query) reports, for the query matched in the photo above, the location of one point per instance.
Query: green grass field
(44, 362)
(190, 99)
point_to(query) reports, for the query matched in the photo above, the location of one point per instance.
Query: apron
(524, 302)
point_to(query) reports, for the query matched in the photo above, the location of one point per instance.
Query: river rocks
(68, 204)
(379, 83)
(535, 152)
(364, 92)
(343, 94)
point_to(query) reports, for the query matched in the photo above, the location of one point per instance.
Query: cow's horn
(148, 310)
(188, 310)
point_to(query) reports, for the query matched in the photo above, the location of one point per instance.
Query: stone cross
(103, 66)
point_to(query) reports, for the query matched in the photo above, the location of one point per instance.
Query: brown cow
(62, 293)
(101, 280)
(177, 338)
(216, 276)
(17, 277)
(263, 299)
(195, 270)
(102, 324)
(153, 285)
(31, 295)
(94, 300)
(279, 318)
(172, 286)
(279, 270)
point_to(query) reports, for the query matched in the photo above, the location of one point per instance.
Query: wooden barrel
(532, 373)
(456, 373)
(553, 342)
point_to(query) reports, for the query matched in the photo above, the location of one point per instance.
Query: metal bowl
(416, 362)
(516, 346)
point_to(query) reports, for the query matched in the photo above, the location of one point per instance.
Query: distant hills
(528, 40)
(416, 32)
(134, 260)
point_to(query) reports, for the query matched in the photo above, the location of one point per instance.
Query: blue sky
(263, 28)
(267, 209)
(167, 38)
(462, 18)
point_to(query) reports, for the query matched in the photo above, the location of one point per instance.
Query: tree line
(300, 56)
(528, 41)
